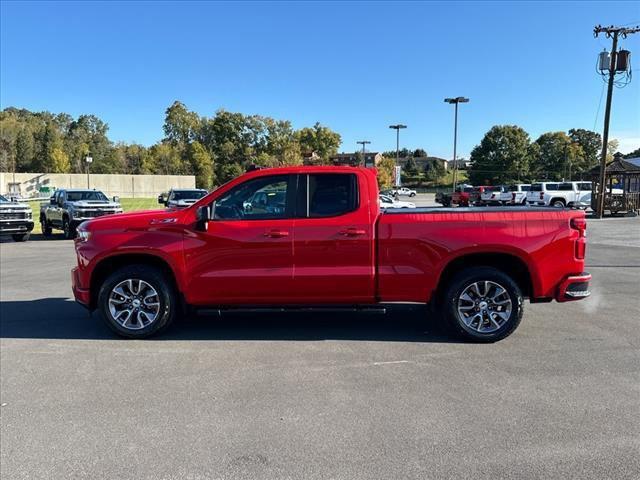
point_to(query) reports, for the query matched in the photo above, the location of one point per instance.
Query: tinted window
(565, 187)
(584, 186)
(551, 186)
(331, 194)
(536, 187)
(258, 199)
(525, 188)
(187, 194)
(87, 195)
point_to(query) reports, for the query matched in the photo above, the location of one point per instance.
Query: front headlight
(83, 235)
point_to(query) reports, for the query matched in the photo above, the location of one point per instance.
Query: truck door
(246, 254)
(333, 240)
(54, 212)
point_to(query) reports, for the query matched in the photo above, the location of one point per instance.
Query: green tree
(202, 165)
(411, 167)
(434, 171)
(385, 172)
(557, 155)
(60, 161)
(591, 143)
(634, 154)
(181, 126)
(319, 139)
(502, 156)
(420, 152)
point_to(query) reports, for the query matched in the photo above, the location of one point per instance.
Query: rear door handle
(276, 233)
(353, 232)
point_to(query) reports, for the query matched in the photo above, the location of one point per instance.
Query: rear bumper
(574, 287)
(82, 295)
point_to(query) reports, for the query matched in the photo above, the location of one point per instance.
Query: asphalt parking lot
(320, 396)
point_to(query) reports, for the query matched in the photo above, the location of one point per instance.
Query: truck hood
(14, 206)
(95, 204)
(133, 220)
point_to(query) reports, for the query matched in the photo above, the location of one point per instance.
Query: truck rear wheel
(483, 304)
(137, 301)
(21, 237)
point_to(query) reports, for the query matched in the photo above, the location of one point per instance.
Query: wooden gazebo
(622, 180)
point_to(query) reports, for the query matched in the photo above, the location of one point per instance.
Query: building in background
(371, 159)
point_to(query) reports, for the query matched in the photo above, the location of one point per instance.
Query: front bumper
(15, 226)
(82, 295)
(574, 287)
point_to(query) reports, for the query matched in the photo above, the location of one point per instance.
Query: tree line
(214, 149)
(507, 154)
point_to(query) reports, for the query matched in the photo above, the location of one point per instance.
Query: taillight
(541, 195)
(513, 197)
(580, 224)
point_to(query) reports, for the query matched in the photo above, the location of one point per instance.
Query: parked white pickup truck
(404, 191)
(492, 195)
(515, 194)
(560, 194)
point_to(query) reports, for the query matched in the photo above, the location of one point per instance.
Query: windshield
(86, 195)
(3, 199)
(187, 194)
(386, 199)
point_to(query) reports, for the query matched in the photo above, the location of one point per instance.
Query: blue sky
(355, 67)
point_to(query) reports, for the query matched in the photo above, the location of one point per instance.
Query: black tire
(68, 229)
(558, 203)
(46, 228)
(20, 237)
(168, 308)
(465, 279)
(412, 195)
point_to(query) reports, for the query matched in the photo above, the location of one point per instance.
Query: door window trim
(290, 200)
(302, 197)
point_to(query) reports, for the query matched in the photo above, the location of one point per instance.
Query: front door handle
(276, 234)
(353, 232)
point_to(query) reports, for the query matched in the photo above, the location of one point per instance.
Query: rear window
(492, 189)
(565, 187)
(525, 188)
(331, 194)
(552, 186)
(536, 187)
(468, 189)
(584, 186)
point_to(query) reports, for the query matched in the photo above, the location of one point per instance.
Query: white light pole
(455, 101)
(88, 159)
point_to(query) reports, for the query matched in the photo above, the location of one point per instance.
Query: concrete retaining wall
(125, 186)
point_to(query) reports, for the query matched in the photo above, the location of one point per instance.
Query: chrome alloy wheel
(134, 304)
(484, 306)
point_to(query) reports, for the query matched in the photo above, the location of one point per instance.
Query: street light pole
(455, 101)
(397, 128)
(88, 159)
(363, 143)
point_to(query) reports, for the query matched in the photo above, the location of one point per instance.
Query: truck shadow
(61, 318)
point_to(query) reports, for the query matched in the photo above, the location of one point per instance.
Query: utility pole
(613, 33)
(455, 101)
(363, 143)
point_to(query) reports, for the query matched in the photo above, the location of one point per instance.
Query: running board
(266, 309)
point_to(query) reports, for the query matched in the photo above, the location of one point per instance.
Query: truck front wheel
(68, 229)
(137, 301)
(483, 304)
(21, 237)
(45, 226)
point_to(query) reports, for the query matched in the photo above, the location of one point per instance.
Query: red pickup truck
(302, 237)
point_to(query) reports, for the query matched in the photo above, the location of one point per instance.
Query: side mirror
(161, 200)
(52, 201)
(116, 199)
(60, 201)
(203, 215)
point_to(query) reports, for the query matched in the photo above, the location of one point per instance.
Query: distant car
(389, 202)
(516, 194)
(181, 198)
(405, 192)
(459, 197)
(16, 219)
(69, 208)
